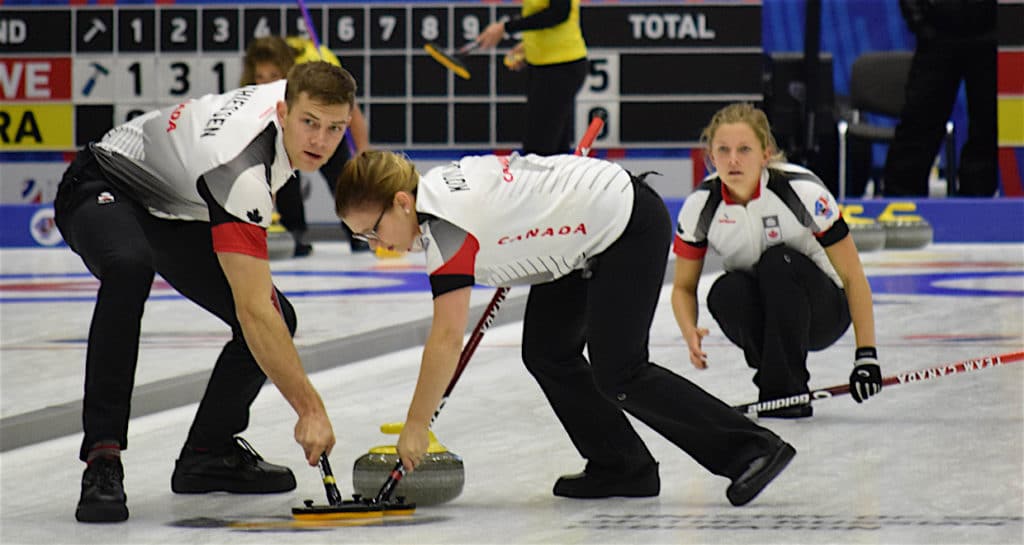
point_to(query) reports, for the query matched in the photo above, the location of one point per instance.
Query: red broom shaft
(938, 371)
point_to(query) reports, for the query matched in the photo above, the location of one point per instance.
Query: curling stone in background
(905, 231)
(438, 479)
(280, 243)
(868, 234)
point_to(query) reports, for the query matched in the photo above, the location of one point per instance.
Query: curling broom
(452, 61)
(908, 377)
(338, 509)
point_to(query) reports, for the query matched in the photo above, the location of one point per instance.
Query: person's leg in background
(290, 206)
(551, 106)
(859, 168)
(331, 170)
(978, 158)
(932, 87)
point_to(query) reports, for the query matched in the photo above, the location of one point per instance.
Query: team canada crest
(772, 232)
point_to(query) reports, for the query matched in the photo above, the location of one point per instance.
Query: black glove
(866, 378)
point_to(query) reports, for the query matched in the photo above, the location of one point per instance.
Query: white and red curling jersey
(506, 220)
(790, 206)
(232, 142)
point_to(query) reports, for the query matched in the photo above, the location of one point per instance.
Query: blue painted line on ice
(417, 281)
(389, 283)
(927, 284)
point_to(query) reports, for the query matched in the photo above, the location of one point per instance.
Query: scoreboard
(657, 69)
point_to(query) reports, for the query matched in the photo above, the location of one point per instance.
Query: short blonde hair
(372, 178)
(742, 112)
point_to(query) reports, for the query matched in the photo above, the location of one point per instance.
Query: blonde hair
(372, 178)
(272, 49)
(742, 112)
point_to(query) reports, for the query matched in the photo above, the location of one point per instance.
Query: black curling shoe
(239, 470)
(759, 473)
(103, 498)
(597, 482)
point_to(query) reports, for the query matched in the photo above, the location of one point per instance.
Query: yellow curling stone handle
(275, 224)
(395, 428)
(890, 213)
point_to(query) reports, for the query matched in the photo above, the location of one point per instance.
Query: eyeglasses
(371, 235)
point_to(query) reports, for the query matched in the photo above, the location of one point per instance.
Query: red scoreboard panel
(658, 70)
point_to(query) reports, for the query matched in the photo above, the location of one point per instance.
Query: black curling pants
(551, 106)
(611, 314)
(289, 200)
(123, 245)
(938, 67)
(290, 205)
(786, 308)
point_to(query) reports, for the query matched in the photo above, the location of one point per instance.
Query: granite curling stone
(438, 479)
(907, 233)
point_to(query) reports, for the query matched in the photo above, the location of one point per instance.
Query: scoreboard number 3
(181, 86)
(221, 30)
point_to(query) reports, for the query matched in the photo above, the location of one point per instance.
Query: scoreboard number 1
(132, 76)
(216, 75)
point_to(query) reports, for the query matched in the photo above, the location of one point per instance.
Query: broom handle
(938, 371)
(330, 485)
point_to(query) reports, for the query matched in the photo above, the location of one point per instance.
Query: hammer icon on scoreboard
(97, 27)
(97, 71)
